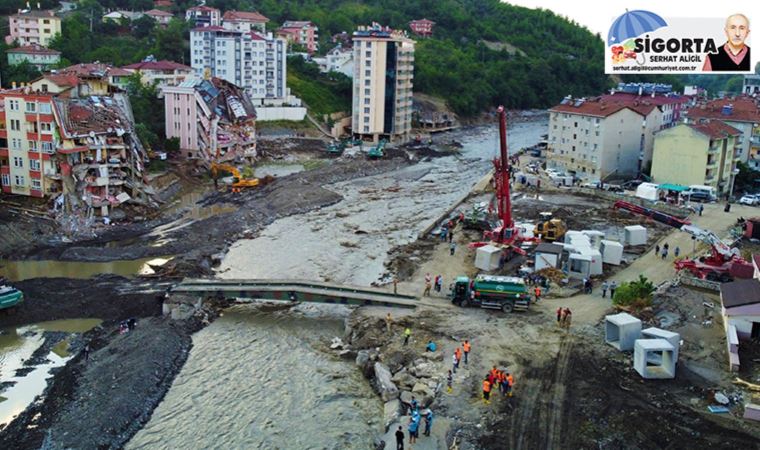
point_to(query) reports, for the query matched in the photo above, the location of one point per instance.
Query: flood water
(255, 380)
(27, 269)
(17, 344)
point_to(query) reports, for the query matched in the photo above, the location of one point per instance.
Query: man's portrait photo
(733, 56)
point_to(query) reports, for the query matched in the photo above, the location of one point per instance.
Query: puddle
(188, 202)
(26, 269)
(277, 170)
(17, 345)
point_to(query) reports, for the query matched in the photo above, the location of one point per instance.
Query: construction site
(275, 304)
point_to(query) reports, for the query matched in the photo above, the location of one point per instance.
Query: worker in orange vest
(537, 291)
(466, 347)
(458, 353)
(494, 372)
(510, 383)
(486, 391)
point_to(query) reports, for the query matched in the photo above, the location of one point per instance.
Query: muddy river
(257, 380)
(17, 344)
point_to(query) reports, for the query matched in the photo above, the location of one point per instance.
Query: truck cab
(490, 291)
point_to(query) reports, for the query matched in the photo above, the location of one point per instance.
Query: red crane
(505, 234)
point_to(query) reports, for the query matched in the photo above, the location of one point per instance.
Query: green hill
(541, 57)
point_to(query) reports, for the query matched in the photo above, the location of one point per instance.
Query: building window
(366, 101)
(31, 107)
(367, 73)
(366, 82)
(16, 145)
(18, 161)
(576, 124)
(366, 92)
(32, 145)
(34, 164)
(20, 180)
(47, 147)
(13, 105)
(6, 179)
(36, 184)
(46, 126)
(575, 136)
(366, 129)
(15, 125)
(366, 119)
(366, 110)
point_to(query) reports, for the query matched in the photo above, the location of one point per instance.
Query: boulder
(337, 343)
(423, 370)
(404, 379)
(363, 361)
(424, 394)
(433, 356)
(391, 411)
(406, 399)
(383, 383)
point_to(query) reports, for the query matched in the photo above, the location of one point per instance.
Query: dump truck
(10, 296)
(492, 292)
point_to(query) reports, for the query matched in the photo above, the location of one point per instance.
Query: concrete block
(595, 237)
(487, 257)
(752, 411)
(621, 331)
(658, 333)
(182, 312)
(612, 252)
(635, 235)
(654, 359)
(595, 268)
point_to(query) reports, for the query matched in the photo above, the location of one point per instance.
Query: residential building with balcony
(28, 143)
(33, 27)
(253, 61)
(245, 21)
(703, 152)
(751, 85)
(213, 119)
(382, 84)
(40, 57)
(742, 113)
(121, 16)
(608, 136)
(204, 16)
(160, 73)
(340, 60)
(300, 32)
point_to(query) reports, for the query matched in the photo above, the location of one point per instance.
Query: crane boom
(501, 174)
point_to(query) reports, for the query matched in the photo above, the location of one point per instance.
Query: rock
(391, 411)
(406, 398)
(720, 398)
(424, 394)
(362, 358)
(424, 370)
(433, 356)
(383, 384)
(346, 354)
(337, 343)
(404, 379)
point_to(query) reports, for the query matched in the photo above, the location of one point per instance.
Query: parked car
(750, 199)
(702, 197)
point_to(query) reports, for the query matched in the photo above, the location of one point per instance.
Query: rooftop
(157, 65)
(606, 105)
(425, 21)
(244, 16)
(95, 69)
(35, 13)
(94, 114)
(34, 49)
(296, 24)
(740, 293)
(202, 8)
(714, 129)
(158, 12)
(737, 109)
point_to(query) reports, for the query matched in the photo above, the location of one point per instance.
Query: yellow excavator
(238, 182)
(550, 229)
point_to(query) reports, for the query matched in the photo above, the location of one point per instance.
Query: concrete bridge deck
(294, 290)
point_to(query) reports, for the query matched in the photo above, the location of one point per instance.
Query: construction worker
(605, 286)
(428, 285)
(568, 318)
(455, 362)
(510, 384)
(388, 322)
(449, 381)
(458, 353)
(559, 316)
(494, 371)
(466, 347)
(486, 391)
(407, 335)
(537, 292)
(428, 421)
(613, 286)
(504, 383)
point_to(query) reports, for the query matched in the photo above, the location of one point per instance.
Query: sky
(598, 16)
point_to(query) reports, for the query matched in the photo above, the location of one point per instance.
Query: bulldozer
(238, 181)
(550, 229)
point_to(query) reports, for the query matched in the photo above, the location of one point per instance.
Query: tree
(747, 179)
(636, 295)
(172, 42)
(172, 145)
(19, 73)
(143, 27)
(147, 109)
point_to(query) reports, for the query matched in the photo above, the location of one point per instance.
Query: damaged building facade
(213, 119)
(70, 136)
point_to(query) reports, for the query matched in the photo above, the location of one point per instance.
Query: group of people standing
(497, 379)
(663, 252)
(430, 283)
(414, 425)
(564, 317)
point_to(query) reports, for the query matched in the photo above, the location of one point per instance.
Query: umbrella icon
(633, 24)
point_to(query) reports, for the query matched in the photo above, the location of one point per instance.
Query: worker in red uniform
(537, 292)
(486, 391)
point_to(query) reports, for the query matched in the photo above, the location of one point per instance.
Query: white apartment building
(253, 61)
(383, 72)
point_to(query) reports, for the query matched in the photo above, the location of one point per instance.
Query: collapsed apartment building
(76, 143)
(213, 119)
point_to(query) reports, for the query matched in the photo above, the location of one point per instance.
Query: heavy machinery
(377, 151)
(505, 234)
(489, 291)
(550, 229)
(238, 182)
(336, 147)
(723, 264)
(10, 296)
